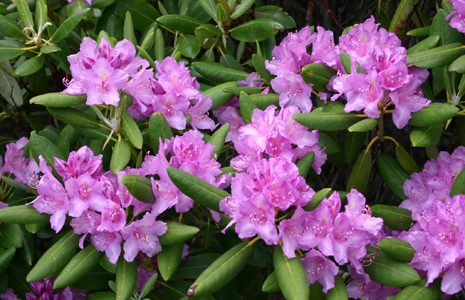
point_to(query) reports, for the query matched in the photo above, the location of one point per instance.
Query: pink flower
(80, 162)
(293, 90)
(456, 17)
(25, 170)
(324, 50)
(362, 286)
(142, 235)
(320, 269)
(294, 233)
(84, 192)
(113, 218)
(108, 242)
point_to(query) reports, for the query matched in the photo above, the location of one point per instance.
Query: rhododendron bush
(222, 150)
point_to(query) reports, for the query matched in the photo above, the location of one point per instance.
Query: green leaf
(317, 74)
(197, 189)
(139, 186)
(183, 24)
(217, 139)
(392, 173)
(8, 52)
(120, 156)
(159, 45)
(177, 233)
(459, 184)
(417, 32)
(209, 6)
(126, 273)
(394, 217)
(168, 260)
(364, 125)
(291, 276)
(143, 13)
(270, 285)
(22, 214)
(242, 8)
(128, 28)
(25, 13)
(276, 14)
(360, 173)
(255, 30)
(426, 136)
(258, 63)
(222, 270)
(397, 249)
(55, 258)
(158, 129)
(433, 114)
(16, 185)
(249, 90)
(30, 66)
(425, 44)
(418, 292)
(387, 271)
(218, 94)
(458, 65)
(246, 106)
(316, 200)
(305, 164)
(218, 72)
(6, 255)
(346, 62)
(58, 100)
(68, 25)
(74, 117)
(405, 160)
(436, 57)
(10, 236)
(339, 292)
(149, 39)
(41, 16)
(101, 296)
(327, 120)
(131, 131)
(81, 264)
(401, 17)
(353, 144)
(189, 45)
(149, 285)
(142, 53)
(262, 101)
(440, 26)
(10, 28)
(40, 145)
(207, 31)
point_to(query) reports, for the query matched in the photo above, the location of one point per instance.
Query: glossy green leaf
(143, 13)
(388, 271)
(25, 13)
(142, 53)
(242, 8)
(197, 189)
(139, 186)
(68, 25)
(249, 90)
(10, 28)
(30, 66)
(177, 233)
(360, 173)
(436, 57)
(40, 145)
(317, 74)
(290, 275)
(426, 136)
(417, 32)
(346, 62)
(329, 121)
(120, 156)
(393, 174)
(397, 249)
(206, 31)
(440, 26)
(74, 117)
(316, 200)
(218, 95)
(217, 139)
(158, 129)
(222, 270)
(128, 28)
(406, 161)
(339, 292)
(101, 296)
(16, 185)
(6, 255)
(305, 164)
(258, 63)
(394, 217)
(10, 236)
(270, 285)
(41, 14)
(148, 40)
(276, 14)
(363, 125)
(459, 184)
(168, 260)
(126, 273)
(131, 131)
(81, 264)
(218, 72)
(256, 30)
(149, 285)
(159, 45)
(400, 20)
(433, 114)
(189, 45)
(9, 52)
(262, 101)
(209, 6)
(418, 292)
(425, 44)
(353, 144)
(246, 107)
(57, 100)
(183, 24)
(55, 258)
(22, 214)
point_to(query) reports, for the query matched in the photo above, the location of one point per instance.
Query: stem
(372, 142)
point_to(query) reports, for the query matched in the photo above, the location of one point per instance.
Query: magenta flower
(25, 170)
(108, 242)
(324, 51)
(142, 235)
(293, 91)
(320, 269)
(113, 218)
(84, 192)
(294, 233)
(80, 162)
(456, 17)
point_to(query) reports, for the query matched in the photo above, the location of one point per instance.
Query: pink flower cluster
(457, 15)
(43, 289)
(189, 153)
(439, 233)
(25, 170)
(276, 134)
(102, 72)
(96, 202)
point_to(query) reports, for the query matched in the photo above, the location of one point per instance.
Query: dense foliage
(218, 150)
